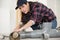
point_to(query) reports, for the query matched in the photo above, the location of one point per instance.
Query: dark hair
(20, 3)
(25, 3)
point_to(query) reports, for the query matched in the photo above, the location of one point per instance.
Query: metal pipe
(38, 34)
(33, 34)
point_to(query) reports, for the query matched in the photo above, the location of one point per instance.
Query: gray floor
(34, 39)
(41, 39)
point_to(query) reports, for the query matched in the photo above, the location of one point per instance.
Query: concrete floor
(34, 39)
(41, 39)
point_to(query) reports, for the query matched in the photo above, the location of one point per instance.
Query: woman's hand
(18, 30)
(15, 29)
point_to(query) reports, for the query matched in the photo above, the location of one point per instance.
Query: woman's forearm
(28, 24)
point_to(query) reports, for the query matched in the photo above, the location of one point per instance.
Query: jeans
(46, 26)
(54, 24)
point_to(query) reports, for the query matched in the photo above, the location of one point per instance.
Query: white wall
(7, 16)
(12, 15)
(42, 1)
(54, 5)
(4, 16)
(58, 11)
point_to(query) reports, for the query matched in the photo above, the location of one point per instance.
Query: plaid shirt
(39, 13)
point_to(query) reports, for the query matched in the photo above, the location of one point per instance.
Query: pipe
(38, 34)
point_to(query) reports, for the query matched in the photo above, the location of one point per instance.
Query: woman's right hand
(16, 29)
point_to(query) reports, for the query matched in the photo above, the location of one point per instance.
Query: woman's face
(24, 8)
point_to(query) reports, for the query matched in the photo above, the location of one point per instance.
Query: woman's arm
(28, 24)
